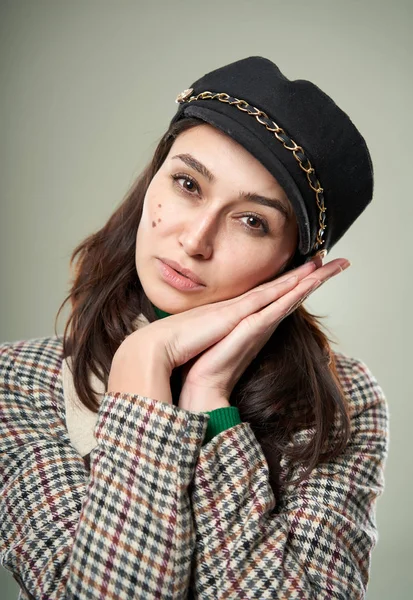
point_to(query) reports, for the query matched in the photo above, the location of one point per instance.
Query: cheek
(152, 214)
(158, 208)
(155, 217)
(241, 271)
(256, 266)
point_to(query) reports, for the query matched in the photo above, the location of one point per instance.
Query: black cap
(328, 178)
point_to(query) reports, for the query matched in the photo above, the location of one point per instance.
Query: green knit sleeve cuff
(221, 419)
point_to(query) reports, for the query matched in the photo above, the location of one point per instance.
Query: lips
(180, 269)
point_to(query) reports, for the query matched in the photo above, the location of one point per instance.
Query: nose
(197, 235)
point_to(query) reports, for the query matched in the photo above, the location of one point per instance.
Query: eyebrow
(192, 162)
(275, 203)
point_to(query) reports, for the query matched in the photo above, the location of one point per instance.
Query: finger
(284, 306)
(302, 272)
(268, 318)
(187, 335)
(263, 295)
(328, 270)
(313, 268)
(214, 321)
(299, 272)
(260, 297)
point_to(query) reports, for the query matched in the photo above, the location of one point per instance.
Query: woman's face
(216, 210)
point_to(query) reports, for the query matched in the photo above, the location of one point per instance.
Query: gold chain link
(278, 132)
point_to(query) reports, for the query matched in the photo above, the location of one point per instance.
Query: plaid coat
(160, 515)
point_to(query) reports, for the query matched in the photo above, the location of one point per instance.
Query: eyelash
(177, 176)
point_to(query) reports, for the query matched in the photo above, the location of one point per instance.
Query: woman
(194, 434)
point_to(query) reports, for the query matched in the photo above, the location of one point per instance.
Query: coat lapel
(80, 420)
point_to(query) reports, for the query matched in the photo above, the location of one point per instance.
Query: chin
(168, 301)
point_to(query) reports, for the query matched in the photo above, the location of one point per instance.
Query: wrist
(140, 368)
(201, 400)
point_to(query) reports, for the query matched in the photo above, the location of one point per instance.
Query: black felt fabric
(334, 146)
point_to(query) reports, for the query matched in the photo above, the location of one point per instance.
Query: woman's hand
(208, 380)
(243, 324)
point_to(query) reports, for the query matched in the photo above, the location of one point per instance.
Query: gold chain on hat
(282, 137)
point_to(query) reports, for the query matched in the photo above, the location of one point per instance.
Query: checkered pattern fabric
(162, 516)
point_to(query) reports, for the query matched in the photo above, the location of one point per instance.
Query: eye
(185, 183)
(252, 218)
(188, 185)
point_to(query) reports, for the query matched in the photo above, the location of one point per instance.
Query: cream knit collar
(80, 421)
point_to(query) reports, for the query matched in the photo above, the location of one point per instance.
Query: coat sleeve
(313, 542)
(125, 531)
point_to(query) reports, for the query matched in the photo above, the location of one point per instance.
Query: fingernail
(344, 267)
(318, 261)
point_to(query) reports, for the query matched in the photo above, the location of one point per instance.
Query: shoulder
(28, 357)
(33, 368)
(31, 392)
(364, 393)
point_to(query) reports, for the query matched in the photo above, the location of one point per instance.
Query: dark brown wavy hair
(290, 385)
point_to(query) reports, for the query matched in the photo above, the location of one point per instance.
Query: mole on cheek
(153, 222)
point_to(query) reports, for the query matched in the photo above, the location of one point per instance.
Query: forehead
(226, 159)
(205, 139)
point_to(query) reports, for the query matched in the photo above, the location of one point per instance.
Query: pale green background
(87, 87)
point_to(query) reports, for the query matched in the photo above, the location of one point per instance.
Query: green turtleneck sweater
(220, 419)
